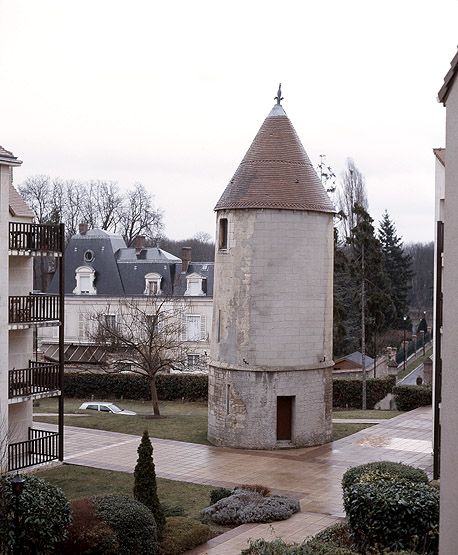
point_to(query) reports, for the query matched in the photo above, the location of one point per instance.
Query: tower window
(222, 241)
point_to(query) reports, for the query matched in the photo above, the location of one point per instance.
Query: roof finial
(279, 97)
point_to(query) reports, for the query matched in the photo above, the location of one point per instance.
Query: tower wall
(272, 327)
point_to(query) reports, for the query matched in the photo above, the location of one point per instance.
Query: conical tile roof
(276, 172)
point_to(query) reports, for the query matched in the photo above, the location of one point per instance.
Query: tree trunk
(154, 399)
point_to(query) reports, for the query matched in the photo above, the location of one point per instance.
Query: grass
(377, 414)
(413, 364)
(81, 481)
(343, 430)
(179, 421)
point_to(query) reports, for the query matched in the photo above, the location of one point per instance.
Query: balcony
(26, 310)
(39, 379)
(42, 446)
(35, 239)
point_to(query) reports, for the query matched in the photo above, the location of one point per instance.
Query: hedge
(409, 397)
(347, 393)
(382, 470)
(194, 387)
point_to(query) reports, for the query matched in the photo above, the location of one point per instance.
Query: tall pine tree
(397, 266)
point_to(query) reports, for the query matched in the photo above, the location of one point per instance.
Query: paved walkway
(311, 474)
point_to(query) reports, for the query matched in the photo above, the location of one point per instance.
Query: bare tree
(352, 192)
(139, 216)
(37, 192)
(102, 205)
(145, 333)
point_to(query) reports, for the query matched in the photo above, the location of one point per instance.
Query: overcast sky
(171, 94)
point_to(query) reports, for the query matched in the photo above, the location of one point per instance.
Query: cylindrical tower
(270, 382)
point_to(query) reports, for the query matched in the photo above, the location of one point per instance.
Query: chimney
(139, 243)
(185, 258)
(83, 228)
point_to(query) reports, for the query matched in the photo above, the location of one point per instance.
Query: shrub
(347, 393)
(250, 506)
(145, 487)
(393, 515)
(170, 387)
(279, 547)
(382, 470)
(263, 490)
(409, 397)
(40, 502)
(219, 493)
(182, 533)
(87, 534)
(133, 523)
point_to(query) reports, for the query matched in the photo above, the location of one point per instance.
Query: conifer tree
(145, 487)
(397, 266)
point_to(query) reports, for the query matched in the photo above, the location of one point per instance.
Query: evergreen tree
(145, 488)
(397, 266)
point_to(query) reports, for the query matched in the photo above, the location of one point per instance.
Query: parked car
(106, 407)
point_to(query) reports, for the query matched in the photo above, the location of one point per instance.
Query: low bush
(250, 506)
(44, 514)
(182, 534)
(382, 470)
(87, 534)
(347, 393)
(133, 523)
(170, 387)
(279, 547)
(263, 490)
(219, 493)
(393, 515)
(409, 397)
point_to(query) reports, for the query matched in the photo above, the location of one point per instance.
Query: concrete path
(312, 474)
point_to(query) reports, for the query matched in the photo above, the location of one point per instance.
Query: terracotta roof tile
(440, 155)
(7, 157)
(276, 172)
(18, 206)
(448, 80)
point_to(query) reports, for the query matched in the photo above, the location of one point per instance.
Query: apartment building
(23, 377)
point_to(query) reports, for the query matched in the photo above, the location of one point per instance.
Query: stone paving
(312, 474)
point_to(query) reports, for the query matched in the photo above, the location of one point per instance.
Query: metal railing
(42, 446)
(25, 309)
(39, 377)
(35, 237)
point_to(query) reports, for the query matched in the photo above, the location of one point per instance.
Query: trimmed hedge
(393, 515)
(382, 470)
(348, 393)
(170, 387)
(409, 397)
(194, 387)
(182, 534)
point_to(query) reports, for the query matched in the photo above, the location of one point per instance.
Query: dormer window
(153, 284)
(195, 285)
(85, 276)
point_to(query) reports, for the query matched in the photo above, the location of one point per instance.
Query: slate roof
(440, 155)
(357, 358)
(121, 271)
(7, 157)
(18, 206)
(276, 172)
(449, 79)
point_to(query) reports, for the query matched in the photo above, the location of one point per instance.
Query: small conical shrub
(145, 488)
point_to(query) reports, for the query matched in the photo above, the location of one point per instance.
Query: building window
(228, 398)
(194, 285)
(218, 333)
(153, 284)
(194, 328)
(193, 361)
(110, 321)
(85, 276)
(88, 256)
(222, 235)
(84, 326)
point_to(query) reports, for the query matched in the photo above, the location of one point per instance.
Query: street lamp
(405, 323)
(17, 484)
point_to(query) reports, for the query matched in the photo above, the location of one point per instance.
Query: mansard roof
(8, 158)
(276, 172)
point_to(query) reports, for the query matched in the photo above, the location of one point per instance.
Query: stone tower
(270, 381)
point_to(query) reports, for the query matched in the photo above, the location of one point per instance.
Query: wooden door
(284, 418)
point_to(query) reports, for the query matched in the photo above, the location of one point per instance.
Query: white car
(106, 407)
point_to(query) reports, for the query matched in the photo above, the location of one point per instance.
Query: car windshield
(114, 408)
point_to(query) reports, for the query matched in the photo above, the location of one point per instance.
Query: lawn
(413, 364)
(365, 414)
(343, 430)
(81, 481)
(180, 421)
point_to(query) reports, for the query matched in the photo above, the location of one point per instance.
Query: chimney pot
(185, 258)
(139, 242)
(83, 228)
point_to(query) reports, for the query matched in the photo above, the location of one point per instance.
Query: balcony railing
(35, 238)
(42, 446)
(39, 377)
(29, 309)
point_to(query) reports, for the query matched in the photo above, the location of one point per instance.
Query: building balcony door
(285, 418)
